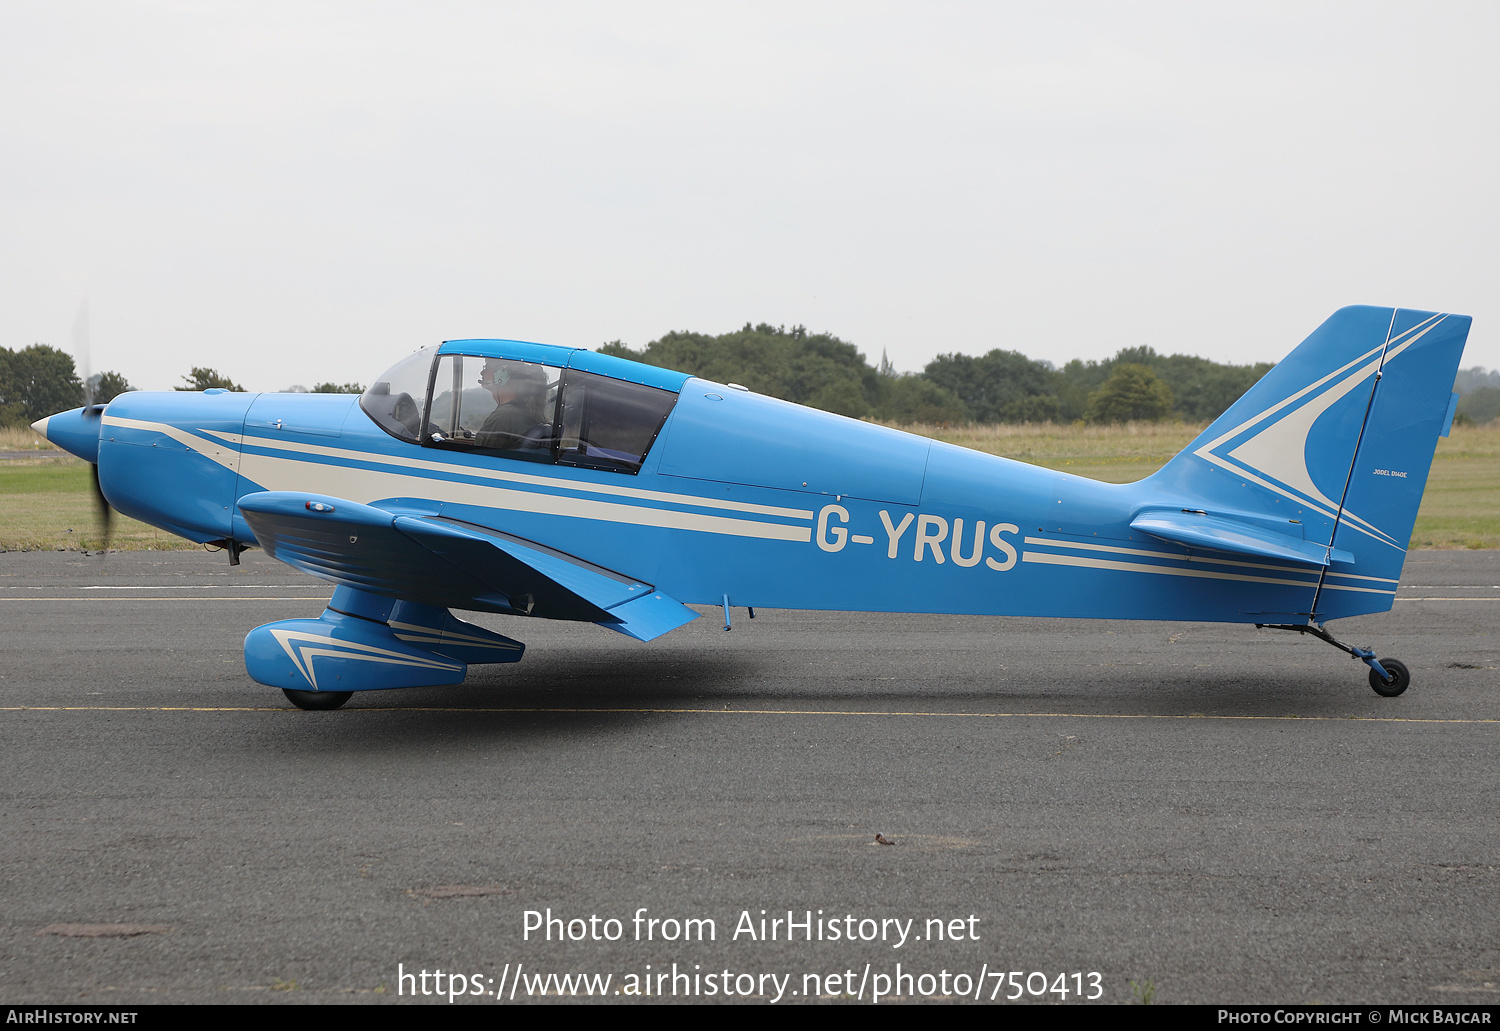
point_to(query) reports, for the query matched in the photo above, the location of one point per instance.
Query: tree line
(822, 371)
(41, 380)
(1479, 395)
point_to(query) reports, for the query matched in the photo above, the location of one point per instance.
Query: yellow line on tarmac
(746, 712)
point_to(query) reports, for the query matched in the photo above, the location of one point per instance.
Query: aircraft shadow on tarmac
(577, 690)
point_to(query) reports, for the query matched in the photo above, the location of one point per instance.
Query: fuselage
(739, 496)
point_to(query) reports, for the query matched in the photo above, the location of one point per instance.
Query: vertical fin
(1333, 445)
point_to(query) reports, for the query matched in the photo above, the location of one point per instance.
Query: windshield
(397, 399)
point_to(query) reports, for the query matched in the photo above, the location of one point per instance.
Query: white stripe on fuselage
(1126, 565)
(1084, 546)
(1169, 556)
(1205, 574)
(370, 485)
(229, 458)
(305, 468)
(512, 476)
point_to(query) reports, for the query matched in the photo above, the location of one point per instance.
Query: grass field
(1115, 454)
(47, 502)
(1460, 508)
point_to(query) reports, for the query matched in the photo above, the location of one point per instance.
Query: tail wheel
(317, 700)
(1400, 678)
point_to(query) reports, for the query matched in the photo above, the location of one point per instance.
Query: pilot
(519, 390)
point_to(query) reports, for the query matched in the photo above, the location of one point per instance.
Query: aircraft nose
(75, 431)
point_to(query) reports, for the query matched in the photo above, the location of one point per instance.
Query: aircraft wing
(451, 564)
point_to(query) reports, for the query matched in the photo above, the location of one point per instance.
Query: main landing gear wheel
(1400, 678)
(333, 699)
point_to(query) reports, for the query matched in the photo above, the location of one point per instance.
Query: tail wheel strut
(1389, 677)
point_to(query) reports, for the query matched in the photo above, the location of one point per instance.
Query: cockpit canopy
(525, 401)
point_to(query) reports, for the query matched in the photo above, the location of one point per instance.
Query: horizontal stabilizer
(1218, 533)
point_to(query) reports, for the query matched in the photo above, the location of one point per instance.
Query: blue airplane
(558, 483)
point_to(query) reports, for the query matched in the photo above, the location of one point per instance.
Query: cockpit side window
(397, 399)
(495, 404)
(608, 423)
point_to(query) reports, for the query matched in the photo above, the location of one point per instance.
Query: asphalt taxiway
(1228, 814)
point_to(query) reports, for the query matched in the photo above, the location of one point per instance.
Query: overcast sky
(299, 192)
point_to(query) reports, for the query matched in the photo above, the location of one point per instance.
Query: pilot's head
(508, 381)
